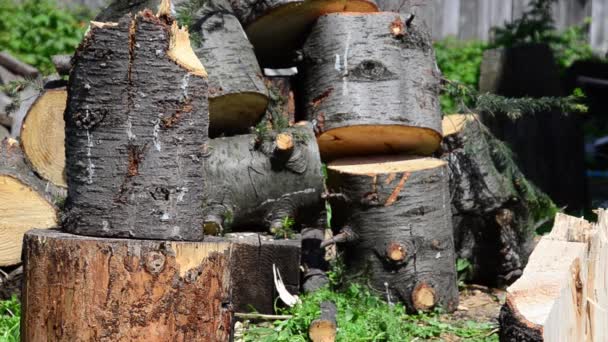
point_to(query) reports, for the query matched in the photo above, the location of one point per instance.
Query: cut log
(7, 77)
(237, 94)
(398, 204)
(371, 86)
(25, 98)
(324, 328)
(10, 282)
(251, 267)
(495, 209)
(136, 132)
(63, 64)
(43, 136)
(277, 28)
(562, 294)
(16, 66)
(83, 288)
(313, 260)
(253, 186)
(25, 202)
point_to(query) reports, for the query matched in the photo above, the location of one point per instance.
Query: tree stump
(136, 132)
(371, 85)
(495, 209)
(260, 180)
(237, 94)
(84, 288)
(26, 202)
(399, 208)
(277, 28)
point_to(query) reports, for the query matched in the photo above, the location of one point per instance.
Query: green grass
(363, 316)
(10, 315)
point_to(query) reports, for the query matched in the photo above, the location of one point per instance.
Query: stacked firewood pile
(192, 178)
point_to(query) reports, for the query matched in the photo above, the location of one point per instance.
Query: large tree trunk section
(493, 205)
(563, 292)
(43, 136)
(277, 28)
(237, 94)
(399, 208)
(136, 132)
(251, 267)
(547, 145)
(83, 288)
(25, 202)
(253, 182)
(371, 85)
(324, 328)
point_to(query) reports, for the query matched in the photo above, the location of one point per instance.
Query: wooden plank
(599, 26)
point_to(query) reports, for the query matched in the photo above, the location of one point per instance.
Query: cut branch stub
(370, 92)
(253, 188)
(134, 144)
(277, 28)
(237, 94)
(396, 245)
(43, 136)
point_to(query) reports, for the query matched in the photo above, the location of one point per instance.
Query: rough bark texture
(251, 267)
(324, 328)
(237, 94)
(251, 186)
(313, 260)
(93, 289)
(282, 99)
(547, 145)
(492, 202)
(292, 18)
(136, 135)
(404, 202)
(10, 282)
(373, 75)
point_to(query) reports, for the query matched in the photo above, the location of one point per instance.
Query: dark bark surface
(547, 145)
(515, 328)
(136, 135)
(251, 267)
(99, 289)
(400, 205)
(249, 186)
(237, 94)
(370, 70)
(491, 203)
(277, 28)
(313, 260)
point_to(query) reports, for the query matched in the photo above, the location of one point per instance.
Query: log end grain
(377, 139)
(235, 112)
(324, 328)
(293, 19)
(43, 136)
(384, 165)
(396, 252)
(424, 297)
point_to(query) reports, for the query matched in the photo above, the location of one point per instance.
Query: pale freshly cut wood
(277, 28)
(24, 202)
(371, 85)
(43, 136)
(560, 296)
(324, 328)
(399, 209)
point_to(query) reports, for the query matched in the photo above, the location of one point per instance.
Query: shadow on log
(370, 85)
(399, 209)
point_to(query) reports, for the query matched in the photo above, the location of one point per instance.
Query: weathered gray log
(371, 85)
(136, 133)
(63, 64)
(324, 328)
(253, 255)
(399, 208)
(252, 183)
(495, 209)
(27, 201)
(16, 66)
(21, 104)
(277, 28)
(6, 76)
(237, 94)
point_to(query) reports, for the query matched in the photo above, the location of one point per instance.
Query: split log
(371, 85)
(495, 208)
(136, 132)
(256, 183)
(43, 135)
(399, 208)
(324, 328)
(84, 288)
(251, 268)
(277, 28)
(237, 94)
(563, 292)
(16, 66)
(26, 202)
